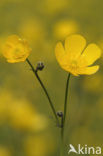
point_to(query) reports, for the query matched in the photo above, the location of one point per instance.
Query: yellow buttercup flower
(75, 57)
(64, 28)
(16, 49)
(4, 151)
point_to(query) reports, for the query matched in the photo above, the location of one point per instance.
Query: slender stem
(66, 96)
(61, 146)
(44, 89)
(64, 116)
(62, 143)
(65, 105)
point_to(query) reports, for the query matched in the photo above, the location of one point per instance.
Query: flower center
(17, 50)
(74, 64)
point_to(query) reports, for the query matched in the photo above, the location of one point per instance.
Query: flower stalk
(65, 104)
(45, 90)
(64, 115)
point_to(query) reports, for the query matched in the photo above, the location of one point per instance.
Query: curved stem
(65, 106)
(44, 89)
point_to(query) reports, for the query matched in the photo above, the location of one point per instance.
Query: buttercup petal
(91, 54)
(70, 70)
(74, 45)
(89, 70)
(59, 52)
(12, 40)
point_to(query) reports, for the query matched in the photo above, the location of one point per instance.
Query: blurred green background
(27, 127)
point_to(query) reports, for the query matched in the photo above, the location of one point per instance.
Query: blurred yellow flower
(37, 145)
(23, 116)
(33, 30)
(52, 9)
(75, 57)
(16, 49)
(20, 114)
(64, 28)
(4, 151)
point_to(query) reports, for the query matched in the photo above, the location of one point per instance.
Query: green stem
(64, 116)
(65, 106)
(66, 97)
(61, 146)
(44, 89)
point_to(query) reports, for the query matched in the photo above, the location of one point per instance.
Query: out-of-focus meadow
(27, 127)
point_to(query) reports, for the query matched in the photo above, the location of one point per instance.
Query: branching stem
(44, 89)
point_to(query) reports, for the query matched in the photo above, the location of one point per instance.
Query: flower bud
(60, 114)
(40, 66)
